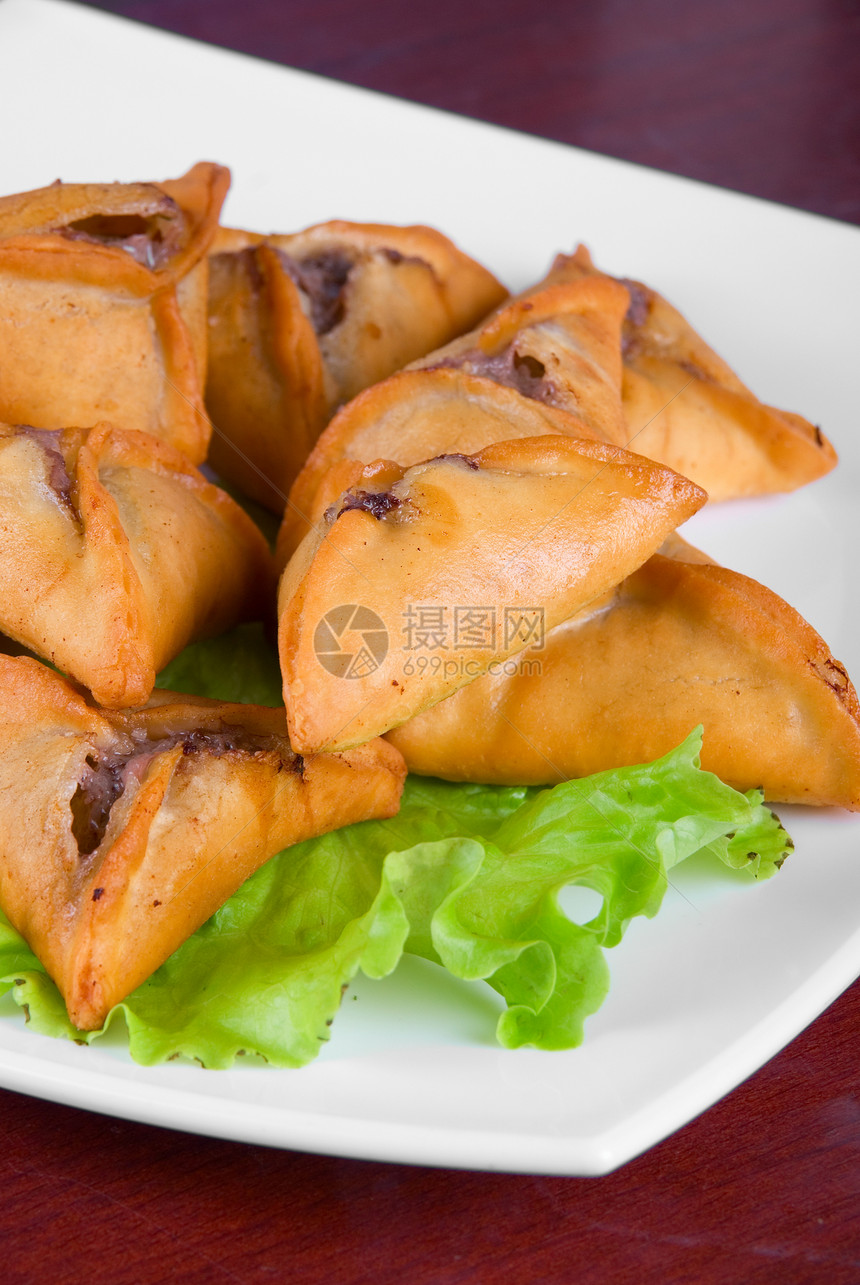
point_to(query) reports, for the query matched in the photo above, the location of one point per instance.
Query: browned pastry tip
(103, 304)
(140, 824)
(686, 407)
(680, 642)
(115, 552)
(301, 323)
(522, 534)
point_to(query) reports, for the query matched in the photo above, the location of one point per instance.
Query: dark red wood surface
(758, 95)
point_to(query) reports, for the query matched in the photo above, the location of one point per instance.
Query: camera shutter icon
(351, 641)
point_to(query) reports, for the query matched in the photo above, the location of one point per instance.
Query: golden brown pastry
(103, 305)
(687, 408)
(299, 324)
(614, 355)
(115, 552)
(548, 361)
(425, 577)
(681, 642)
(413, 416)
(558, 343)
(141, 824)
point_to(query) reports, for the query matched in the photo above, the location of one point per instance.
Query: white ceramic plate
(728, 973)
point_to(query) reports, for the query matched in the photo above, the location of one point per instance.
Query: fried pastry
(301, 323)
(103, 305)
(681, 642)
(413, 416)
(612, 354)
(558, 343)
(425, 577)
(115, 552)
(139, 825)
(687, 408)
(543, 363)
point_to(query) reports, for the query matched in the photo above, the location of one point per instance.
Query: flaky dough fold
(103, 304)
(422, 578)
(301, 323)
(115, 552)
(139, 825)
(680, 642)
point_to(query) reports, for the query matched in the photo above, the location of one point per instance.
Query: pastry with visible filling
(558, 343)
(413, 416)
(299, 324)
(687, 408)
(680, 642)
(583, 354)
(543, 363)
(140, 824)
(422, 578)
(103, 290)
(115, 552)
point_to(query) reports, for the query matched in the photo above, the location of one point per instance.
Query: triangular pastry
(121, 833)
(557, 343)
(411, 417)
(103, 305)
(301, 323)
(611, 353)
(687, 408)
(115, 552)
(548, 361)
(680, 642)
(425, 577)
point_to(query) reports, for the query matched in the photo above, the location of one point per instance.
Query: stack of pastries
(477, 573)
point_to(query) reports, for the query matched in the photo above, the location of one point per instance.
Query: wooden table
(758, 95)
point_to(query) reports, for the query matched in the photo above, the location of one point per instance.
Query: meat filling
(458, 459)
(322, 280)
(91, 803)
(520, 371)
(105, 777)
(150, 239)
(57, 474)
(396, 257)
(377, 503)
(640, 302)
(636, 316)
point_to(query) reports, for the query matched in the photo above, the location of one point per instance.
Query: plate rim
(600, 1154)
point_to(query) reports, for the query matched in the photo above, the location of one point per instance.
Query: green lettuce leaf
(467, 876)
(237, 666)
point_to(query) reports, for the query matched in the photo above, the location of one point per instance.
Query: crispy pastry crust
(139, 825)
(613, 355)
(299, 324)
(411, 417)
(558, 343)
(548, 361)
(687, 408)
(681, 642)
(528, 530)
(116, 552)
(103, 304)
